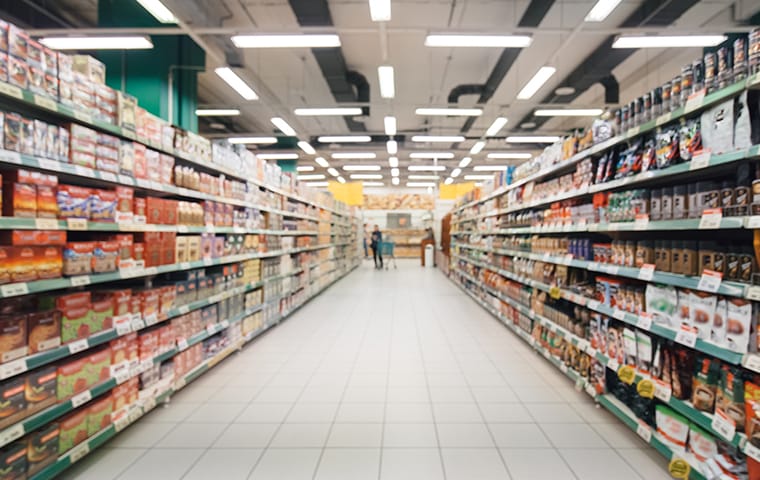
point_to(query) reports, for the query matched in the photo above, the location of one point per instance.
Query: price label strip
(662, 390)
(81, 399)
(646, 272)
(724, 425)
(710, 281)
(700, 159)
(644, 431)
(11, 433)
(644, 321)
(686, 337)
(711, 219)
(79, 452)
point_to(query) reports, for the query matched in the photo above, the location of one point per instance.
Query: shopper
(376, 244)
(366, 234)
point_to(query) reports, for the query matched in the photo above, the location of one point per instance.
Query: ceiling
(286, 79)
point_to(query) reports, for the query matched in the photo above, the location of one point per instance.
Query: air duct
(466, 89)
(611, 89)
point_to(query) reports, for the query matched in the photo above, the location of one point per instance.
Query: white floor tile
(165, 463)
(104, 464)
(360, 413)
(402, 435)
(573, 435)
(358, 435)
(473, 464)
(142, 435)
(464, 435)
(301, 435)
(216, 413)
(349, 464)
(221, 463)
(505, 413)
(553, 413)
(457, 413)
(516, 435)
(408, 394)
(647, 462)
(408, 413)
(247, 435)
(264, 413)
(536, 464)
(287, 463)
(411, 464)
(312, 413)
(596, 464)
(192, 435)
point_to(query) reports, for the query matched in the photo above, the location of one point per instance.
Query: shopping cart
(386, 250)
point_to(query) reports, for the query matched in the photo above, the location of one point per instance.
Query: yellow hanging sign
(351, 193)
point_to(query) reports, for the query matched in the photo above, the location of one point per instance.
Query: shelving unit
(508, 281)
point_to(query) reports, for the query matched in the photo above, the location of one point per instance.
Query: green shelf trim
(707, 101)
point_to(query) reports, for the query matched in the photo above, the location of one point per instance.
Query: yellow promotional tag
(627, 374)
(555, 293)
(645, 388)
(679, 468)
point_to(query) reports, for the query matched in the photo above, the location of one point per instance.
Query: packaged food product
(705, 384)
(18, 72)
(44, 330)
(701, 444)
(13, 461)
(74, 202)
(42, 447)
(738, 325)
(40, 388)
(13, 337)
(78, 258)
(99, 415)
(752, 423)
(103, 205)
(718, 127)
(729, 399)
(672, 428)
(105, 256)
(73, 430)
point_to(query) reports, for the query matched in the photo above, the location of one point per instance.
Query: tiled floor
(388, 375)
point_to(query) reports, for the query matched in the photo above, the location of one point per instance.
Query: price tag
(627, 374)
(183, 309)
(645, 388)
(711, 219)
(225, 324)
(752, 451)
(82, 116)
(662, 119)
(723, 425)
(644, 431)
(108, 176)
(182, 344)
(11, 90)
(593, 304)
(46, 223)
(126, 180)
(78, 346)
(12, 433)
(184, 266)
(700, 159)
(183, 228)
(121, 423)
(710, 281)
(80, 281)
(84, 171)
(180, 383)
(752, 362)
(694, 101)
(121, 375)
(10, 157)
(619, 314)
(151, 319)
(210, 329)
(644, 321)
(613, 364)
(753, 222)
(207, 262)
(662, 391)
(14, 289)
(134, 414)
(138, 324)
(123, 328)
(79, 452)
(641, 222)
(591, 351)
(151, 271)
(45, 102)
(590, 390)
(613, 269)
(146, 365)
(76, 224)
(81, 399)
(13, 368)
(632, 132)
(646, 272)
(686, 337)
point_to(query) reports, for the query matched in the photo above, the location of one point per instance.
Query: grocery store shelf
(706, 101)
(39, 286)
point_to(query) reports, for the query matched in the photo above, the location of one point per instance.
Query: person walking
(366, 234)
(376, 245)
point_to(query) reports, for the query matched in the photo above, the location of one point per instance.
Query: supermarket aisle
(390, 375)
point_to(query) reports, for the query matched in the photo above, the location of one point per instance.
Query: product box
(121, 350)
(49, 262)
(13, 406)
(40, 388)
(148, 345)
(13, 462)
(78, 258)
(13, 337)
(75, 323)
(19, 200)
(23, 264)
(193, 248)
(42, 447)
(98, 367)
(93, 69)
(127, 111)
(73, 430)
(124, 204)
(44, 330)
(105, 256)
(99, 415)
(33, 237)
(102, 313)
(72, 378)
(74, 202)
(103, 206)
(140, 167)
(18, 72)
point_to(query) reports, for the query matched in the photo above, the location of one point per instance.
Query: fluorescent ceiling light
(424, 177)
(450, 112)
(385, 75)
(427, 168)
(477, 148)
(420, 184)
(395, 172)
(286, 41)
(505, 155)
(495, 41)
(490, 168)
(333, 172)
(390, 125)
(534, 84)
(433, 155)
(217, 112)
(361, 168)
(366, 176)
(380, 10)
(158, 10)
(668, 41)
(345, 139)
(465, 161)
(568, 112)
(496, 126)
(534, 139)
(438, 138)
(393, 162)
(318, 176)
(394, 180)
(354, 155)
(392, 147)
(237, 83)
(478, 177)
(373, 184)
(278, 156)
(325, 112)
(455, 173)
(304, 168)
(316, 184)
(322, 162)
(601, 10)
(341, 180)
(307, 148)
(249, 140)
(449, 181)
(283, 126)
(97, 43)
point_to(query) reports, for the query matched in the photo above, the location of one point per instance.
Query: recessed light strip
(496, 126)
(98, 43)
(217, 112)
(158, 10)
(668, 41)
(283, 126)
(533, 139)
(252, 140)
(345, 139)
(438, 138)
(326, 112)
(307, 148)
(386, 77)
(390, 125)
(450, 112)
(286, 41)
(568, 112)
(534, 84)
(354, 155)
(380, 10)
(236, 83)
(601, 10)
